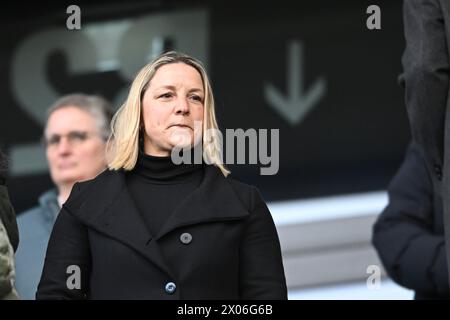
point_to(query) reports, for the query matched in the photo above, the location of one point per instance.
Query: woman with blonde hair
(151, 227)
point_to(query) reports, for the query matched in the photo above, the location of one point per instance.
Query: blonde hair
(123, 143)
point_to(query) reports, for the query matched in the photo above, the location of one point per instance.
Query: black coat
(220, 243)
(409, 233)
(426, 66)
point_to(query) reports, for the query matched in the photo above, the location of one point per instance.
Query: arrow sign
(297, 104)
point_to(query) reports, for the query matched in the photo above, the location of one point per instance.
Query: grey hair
(98, 107)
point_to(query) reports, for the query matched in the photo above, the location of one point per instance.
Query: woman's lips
(180, 126)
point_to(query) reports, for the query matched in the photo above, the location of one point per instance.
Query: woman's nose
(182, 106)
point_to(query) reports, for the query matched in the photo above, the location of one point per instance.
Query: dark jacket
(409, 234)
(426, 79)
(220, 243)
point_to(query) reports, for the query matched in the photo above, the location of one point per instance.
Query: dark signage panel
(312, 73)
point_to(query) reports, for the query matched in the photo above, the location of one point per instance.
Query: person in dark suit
(409, 234)
(148, 228)
(426, 67)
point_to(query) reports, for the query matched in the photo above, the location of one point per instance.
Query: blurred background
(339, 148)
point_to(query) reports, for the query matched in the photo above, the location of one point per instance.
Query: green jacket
(8, 217)
(9, 239)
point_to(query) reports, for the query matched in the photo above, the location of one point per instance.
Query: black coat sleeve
(426, 75)
(412, 254)
(67, 257)
(261, 267)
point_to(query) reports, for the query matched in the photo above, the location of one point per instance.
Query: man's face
(74, 146)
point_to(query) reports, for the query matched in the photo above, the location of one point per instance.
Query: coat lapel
(110, 210)
(213, 200)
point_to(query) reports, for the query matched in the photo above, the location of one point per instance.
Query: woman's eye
(165, 95)
(197, 98)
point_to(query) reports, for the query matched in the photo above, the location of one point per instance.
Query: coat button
(170, 287)
(438, 171)
(186, 238)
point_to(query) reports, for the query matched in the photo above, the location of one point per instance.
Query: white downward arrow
(297, 104)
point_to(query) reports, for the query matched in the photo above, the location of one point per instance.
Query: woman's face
(170, 106)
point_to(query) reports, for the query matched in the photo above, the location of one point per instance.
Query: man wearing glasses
(75, 138)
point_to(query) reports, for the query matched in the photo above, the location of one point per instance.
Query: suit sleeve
(412, 254)
(261, 272)
(426, 75)
(67, 261)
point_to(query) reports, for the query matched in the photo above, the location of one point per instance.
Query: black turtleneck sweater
(158, 186)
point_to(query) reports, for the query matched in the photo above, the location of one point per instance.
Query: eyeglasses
(73, 138)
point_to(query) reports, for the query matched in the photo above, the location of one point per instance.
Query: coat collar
(213, 200)
(108, 207)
